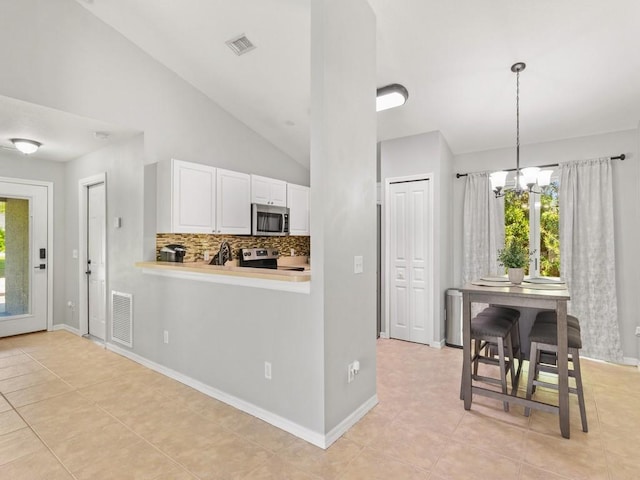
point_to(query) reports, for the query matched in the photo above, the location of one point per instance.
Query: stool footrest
(553, 386)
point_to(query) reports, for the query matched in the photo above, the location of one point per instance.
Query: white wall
(63, 57)
(445, 253)
(343, 198)
(627, 214)
(427, 153)
(219, 335)
(636, 281)
(123, 165)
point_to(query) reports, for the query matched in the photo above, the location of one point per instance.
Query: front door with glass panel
(23, 258)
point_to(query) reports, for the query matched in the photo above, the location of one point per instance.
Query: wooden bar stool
(543, 357)
(514, 317)
(491, 332)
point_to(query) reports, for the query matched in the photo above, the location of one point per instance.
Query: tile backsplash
(197, 244)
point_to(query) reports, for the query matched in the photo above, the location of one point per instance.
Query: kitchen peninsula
(231, 274)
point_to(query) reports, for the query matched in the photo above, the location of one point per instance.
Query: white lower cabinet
(298, 203)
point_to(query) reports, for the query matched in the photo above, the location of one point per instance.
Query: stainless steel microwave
(269, 220)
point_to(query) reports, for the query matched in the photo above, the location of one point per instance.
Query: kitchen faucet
(223, 254)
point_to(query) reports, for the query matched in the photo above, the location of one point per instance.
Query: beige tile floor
(70, 409)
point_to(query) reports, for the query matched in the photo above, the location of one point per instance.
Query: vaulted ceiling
(454, 57)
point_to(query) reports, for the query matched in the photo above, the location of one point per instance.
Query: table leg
(466, 350)
(563, 368)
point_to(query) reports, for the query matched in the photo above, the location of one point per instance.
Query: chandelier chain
(517, 130)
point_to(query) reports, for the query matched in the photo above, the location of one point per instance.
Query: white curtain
(587, 256)
(483, 228)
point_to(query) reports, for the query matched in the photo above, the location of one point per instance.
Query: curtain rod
(618, 157)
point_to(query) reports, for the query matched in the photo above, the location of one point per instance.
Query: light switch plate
(358, 264)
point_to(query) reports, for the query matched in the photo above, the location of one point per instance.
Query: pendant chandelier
(527, 178)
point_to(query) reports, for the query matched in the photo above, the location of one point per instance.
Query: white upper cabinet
(197, 198)
(233, 202)
(298, 203)
(268, 191)
(186, 197)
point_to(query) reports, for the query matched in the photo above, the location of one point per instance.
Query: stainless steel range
(263, 258)
(259, 257)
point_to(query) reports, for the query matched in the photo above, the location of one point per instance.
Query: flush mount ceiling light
(391, 96)
(26, 146)
(527, 178)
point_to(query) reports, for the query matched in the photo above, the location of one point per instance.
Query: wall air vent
(122, 318)
(240, 44)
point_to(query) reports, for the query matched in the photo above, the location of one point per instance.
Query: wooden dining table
(525, 295)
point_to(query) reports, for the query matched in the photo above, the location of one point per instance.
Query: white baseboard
(313, 437)
(64, 326)
(437, 344)
(350, 421)
(634, 362)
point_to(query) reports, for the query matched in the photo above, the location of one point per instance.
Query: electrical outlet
(637, 331)
(267, 370)
(166, 336)
(352, 370)
(206, 256)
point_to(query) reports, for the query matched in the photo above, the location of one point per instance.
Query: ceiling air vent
(240, 44)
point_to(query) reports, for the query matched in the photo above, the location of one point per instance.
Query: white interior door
(410, 269)
(23, 258)
(96, 260)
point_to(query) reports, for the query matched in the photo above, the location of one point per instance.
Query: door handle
(42, 266)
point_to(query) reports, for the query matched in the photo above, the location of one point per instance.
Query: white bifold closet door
(410, 269)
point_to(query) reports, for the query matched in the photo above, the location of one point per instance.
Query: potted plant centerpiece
(514, 257)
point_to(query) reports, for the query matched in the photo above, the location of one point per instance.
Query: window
(533, 220)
